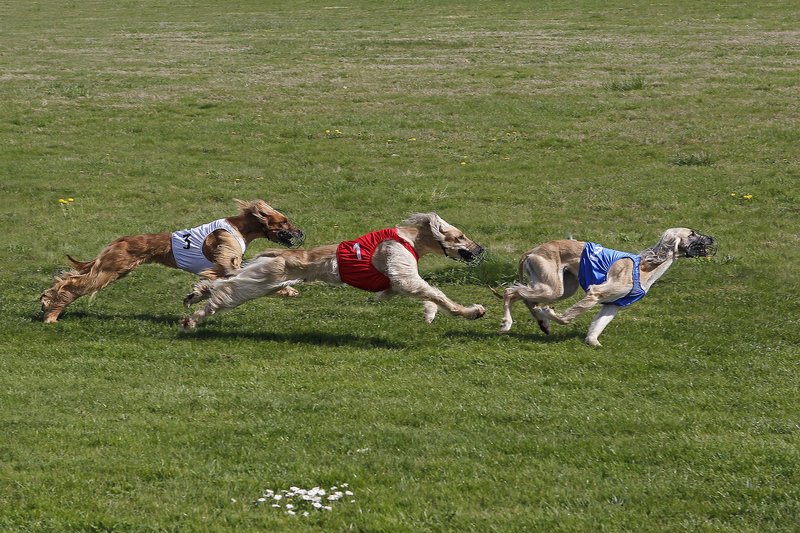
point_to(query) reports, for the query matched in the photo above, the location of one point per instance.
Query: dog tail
(81, 266)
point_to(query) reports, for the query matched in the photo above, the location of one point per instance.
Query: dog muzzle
(705, 247)
(474, 255)
(291, 239)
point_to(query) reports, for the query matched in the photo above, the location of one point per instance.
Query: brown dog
(213, 250)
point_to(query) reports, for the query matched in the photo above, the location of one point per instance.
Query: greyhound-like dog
(384, 262)
(555, 269)
(212, 250)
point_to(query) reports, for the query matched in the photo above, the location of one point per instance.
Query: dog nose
(297, 237)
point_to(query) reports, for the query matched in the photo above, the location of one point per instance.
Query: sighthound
(384, 262)
(555, 269)
(213, 250)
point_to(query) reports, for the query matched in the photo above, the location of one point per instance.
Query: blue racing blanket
(594, 266)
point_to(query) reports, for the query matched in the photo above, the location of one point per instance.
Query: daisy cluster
(295, 500)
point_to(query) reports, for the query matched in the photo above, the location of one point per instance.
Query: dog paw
(188, 323)
(430, 311)
(593, 342)
(475, 311)
(505, 326)
(544, 325)
(193, 298)
(287, 292)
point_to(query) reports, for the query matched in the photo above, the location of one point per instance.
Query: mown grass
(517, 124)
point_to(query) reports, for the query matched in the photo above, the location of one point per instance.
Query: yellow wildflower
(748, 196)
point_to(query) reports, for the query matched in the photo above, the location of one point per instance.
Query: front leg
(417, 287)
(200, 291)
(397, 263)
(583, 305)
(601, 320)
(607, 292)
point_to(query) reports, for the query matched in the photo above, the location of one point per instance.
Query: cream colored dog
(394, 258)
(555, 269)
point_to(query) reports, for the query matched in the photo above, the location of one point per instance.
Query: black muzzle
(290, 239)
(704, 247)
(474, 255)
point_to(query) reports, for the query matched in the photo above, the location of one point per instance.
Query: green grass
(517, 123)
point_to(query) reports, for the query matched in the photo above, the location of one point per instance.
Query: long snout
(473, 255)
(292, 239)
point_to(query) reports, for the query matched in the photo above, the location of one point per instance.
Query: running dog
(213, 250)
(384, 262)
(555, 269)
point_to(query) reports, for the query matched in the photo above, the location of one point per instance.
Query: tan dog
(387, 259)
(215, 252)
(555, 269)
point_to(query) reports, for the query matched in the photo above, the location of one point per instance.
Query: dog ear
(242, 205)
(254, 208)
(437, 226)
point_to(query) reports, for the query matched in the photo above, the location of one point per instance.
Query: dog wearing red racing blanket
(384, 262)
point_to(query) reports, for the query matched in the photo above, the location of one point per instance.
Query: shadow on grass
(530, 336)
(69, 316)
(316, 338)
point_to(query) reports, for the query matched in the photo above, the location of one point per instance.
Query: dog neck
(248, 226)
(650, 272)
(422, 240)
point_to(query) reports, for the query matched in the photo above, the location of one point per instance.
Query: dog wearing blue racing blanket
(554, 270)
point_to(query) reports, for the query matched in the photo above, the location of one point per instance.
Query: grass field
(519, 122)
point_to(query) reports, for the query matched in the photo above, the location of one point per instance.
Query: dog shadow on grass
(166, 320)
(316, 338)
(527, 336)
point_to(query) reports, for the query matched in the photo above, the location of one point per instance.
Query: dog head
(686, 242)
(274, 224)
(450, 239)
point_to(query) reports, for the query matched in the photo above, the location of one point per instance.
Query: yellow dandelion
(412, 138)
(733, 194)
(463, 163)
(62, 201)
(748, 196)
(70, 200)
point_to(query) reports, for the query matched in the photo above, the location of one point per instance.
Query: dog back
(355, 260)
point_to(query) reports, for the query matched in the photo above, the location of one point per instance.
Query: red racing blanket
(355, 260)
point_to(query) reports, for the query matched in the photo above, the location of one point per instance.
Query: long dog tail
(81, 266)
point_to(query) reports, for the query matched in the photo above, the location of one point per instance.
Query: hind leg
(72, 286)
(63, 292)
(541, 291)
(532, 297)
(540, 318)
